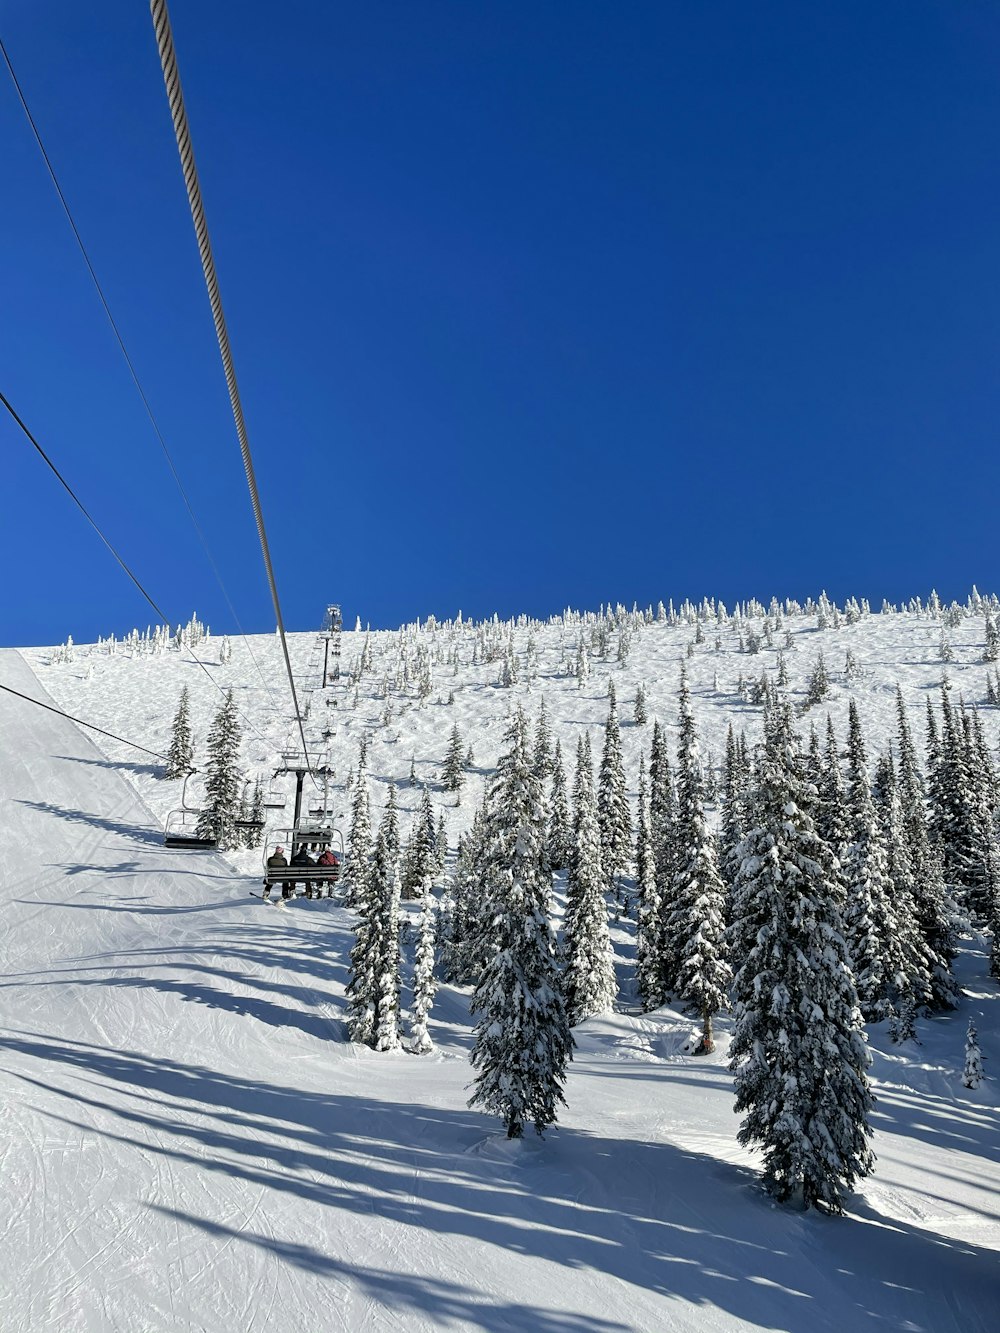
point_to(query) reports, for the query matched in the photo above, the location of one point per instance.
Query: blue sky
(532, 305)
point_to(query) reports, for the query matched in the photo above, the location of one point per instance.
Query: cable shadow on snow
(676, 1223)
(132, 831)
(148, 770)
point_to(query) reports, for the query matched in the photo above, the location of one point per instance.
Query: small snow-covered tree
(589, 974)
(359, 840)
(615, 820)
(695, 929)
(640, 714)
(453, 775)
(387, 1026)
(180, 756)
(560, 832)
(423, 980)
(223, 780)
(972, 1075)
(523, 1040)
(649, 927)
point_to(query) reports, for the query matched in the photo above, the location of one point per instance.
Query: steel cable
(178, 114)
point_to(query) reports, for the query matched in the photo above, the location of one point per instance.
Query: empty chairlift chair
(180, 829)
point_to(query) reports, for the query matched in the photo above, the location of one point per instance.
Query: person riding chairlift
(275, 861)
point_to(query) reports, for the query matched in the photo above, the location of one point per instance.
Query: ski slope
(188, 1142)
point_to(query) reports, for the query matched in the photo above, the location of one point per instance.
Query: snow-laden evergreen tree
(873, 930)
(589, 972)
(543, 745)
(386, 881)
(390, 823)
(468, 943)
(953, 824)
(934, 908)
(662, 807)
(423, 980)
(695, 951)
(798, 1052)
(420, 861)
(649, 927)
(523, 1040)
(560, 831)
(440, 845)
(615, 819)
(223, 779)
(972, 1075)
(911, 988)
(364, 986)
(359, 840)
(640, 714)
(735, 784)
(453, 776)
(180, 756)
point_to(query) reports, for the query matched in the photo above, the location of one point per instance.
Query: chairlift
(274, 797)
(180, 828)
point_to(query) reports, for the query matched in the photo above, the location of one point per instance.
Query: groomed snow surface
(189, 1142)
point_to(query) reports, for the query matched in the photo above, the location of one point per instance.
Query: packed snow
(190, 1141)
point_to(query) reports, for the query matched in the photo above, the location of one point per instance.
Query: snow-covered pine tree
(180, 756)
(223, 780)
(385, 881)
(911, 986)
(589, 972)
(543, 745)
(440, 845)
(615, 819)
(453, 775)
(523, 1040)
(934, 909)
(953, 825)
(972, 1075)
(640, 714)
(872, 928)
(359, 840)
(420, 861)
(423, 980)
(695, 945)
(735, 782)
(375, 955)
(798, 1053)
(649, 928)
(560, 831)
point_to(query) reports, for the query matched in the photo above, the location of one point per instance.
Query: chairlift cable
(93, 523)
(175, 98)
(81, 723)
(128, 360)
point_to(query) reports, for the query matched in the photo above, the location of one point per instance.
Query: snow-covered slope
(188, 1141)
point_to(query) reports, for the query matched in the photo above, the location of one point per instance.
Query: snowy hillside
(190, 1142)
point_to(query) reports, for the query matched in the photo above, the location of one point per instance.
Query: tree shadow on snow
(674, 1223)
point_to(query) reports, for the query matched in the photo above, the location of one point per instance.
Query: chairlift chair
(180, 828)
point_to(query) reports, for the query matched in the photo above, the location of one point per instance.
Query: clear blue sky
(533, 305)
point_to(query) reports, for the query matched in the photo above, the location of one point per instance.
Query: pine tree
(420, 861)
(386, 881)
(649, 928)
(368, 953)
(523, 1040)
(560, 832)
(972, 1075)
(359, 840)
(223, 781)
(180, 756)
(543, 745)
(798, 1051)
(934, 909)
(453, 775)
(640, 714)
(695, 929)
(615, 820)
(423, 980)
(873, 930)
(589, 974)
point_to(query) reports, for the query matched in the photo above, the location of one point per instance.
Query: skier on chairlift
(275, 861)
